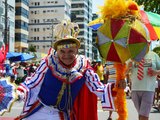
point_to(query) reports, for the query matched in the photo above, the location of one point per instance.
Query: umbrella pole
(120, 99)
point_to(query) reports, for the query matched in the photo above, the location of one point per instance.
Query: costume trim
(60, 94)
(66, 46)
(35, 107)
(74, 73)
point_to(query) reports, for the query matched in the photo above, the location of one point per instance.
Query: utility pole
(6, 24)
(52, 34)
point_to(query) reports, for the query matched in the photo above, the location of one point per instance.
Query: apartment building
(81, 13)
(95, 51)
(43, 15)
(7, 23)
(21, 25)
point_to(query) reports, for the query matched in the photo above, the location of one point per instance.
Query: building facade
(21, 25)
(7, 23)
(95, 51)
(81, 13)
(43, 15)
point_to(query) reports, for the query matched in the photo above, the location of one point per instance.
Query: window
(32, 12)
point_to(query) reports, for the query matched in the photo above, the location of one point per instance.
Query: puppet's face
(67, 55)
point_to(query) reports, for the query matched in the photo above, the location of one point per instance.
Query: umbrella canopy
(151, 21)
(21, 57)
(138, 41)
(119, 40)
(25, 57)
(155, 21)
(12, 54)
(154, 18)
(7, 95)
(95, 24)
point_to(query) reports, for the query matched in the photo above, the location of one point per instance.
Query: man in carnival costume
(62, 87)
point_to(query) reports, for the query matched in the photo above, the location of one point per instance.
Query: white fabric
(45, 112)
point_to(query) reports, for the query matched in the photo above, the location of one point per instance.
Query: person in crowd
(106, 74)
(64, 86)
(143, 77)
(94, 65)
(156, 103)
(100, 70)
(110, 75)
(31, 70)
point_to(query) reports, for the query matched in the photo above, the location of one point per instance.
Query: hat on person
(65, 35)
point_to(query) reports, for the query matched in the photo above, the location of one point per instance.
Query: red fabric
(112, 54)
(116, 25)
(136, 37)
(152, 33)
(1, 57)
(95, 67)
(85, 105)
(14, 71)
(140, 73)
(6, 50)
(2, 54)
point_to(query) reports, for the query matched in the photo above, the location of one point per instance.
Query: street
(102, 115)
(132, 113)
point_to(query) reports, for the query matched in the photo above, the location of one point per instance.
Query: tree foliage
(150, 5)
(157, 50)
(32, 49)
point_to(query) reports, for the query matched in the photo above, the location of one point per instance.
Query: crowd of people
(17, 71)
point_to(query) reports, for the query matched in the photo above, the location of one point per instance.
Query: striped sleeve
(103, 91)
(31, 86)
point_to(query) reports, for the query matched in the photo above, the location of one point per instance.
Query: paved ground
(132, 113)
(102, 115)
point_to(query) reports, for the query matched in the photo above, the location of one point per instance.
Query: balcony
(1, 10)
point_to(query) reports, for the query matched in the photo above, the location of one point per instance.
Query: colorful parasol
(112, 40)
(119, 40)
(138, 40)
(7, 95)
(154, 19)
(95, 24)
(151, 20)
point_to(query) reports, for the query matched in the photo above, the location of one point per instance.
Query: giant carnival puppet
(64, 86)
(123, 33)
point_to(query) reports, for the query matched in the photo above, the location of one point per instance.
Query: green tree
(157, 50)
(150, 5)
(32, 49)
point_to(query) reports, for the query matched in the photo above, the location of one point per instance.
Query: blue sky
(97, 3)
